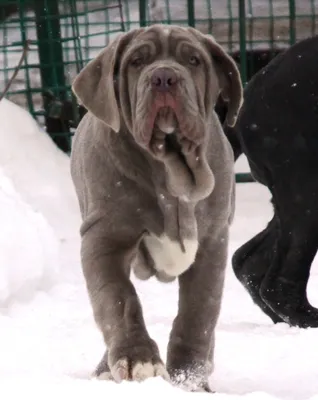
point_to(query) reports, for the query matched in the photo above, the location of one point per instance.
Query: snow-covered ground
(49, 342)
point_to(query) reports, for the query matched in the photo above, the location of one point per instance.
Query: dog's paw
(125, 369)
(191, 379)
(191, 383)
(143, 265)
(103, 376)
(132, 361)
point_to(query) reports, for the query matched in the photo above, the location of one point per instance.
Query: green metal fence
(64, 35)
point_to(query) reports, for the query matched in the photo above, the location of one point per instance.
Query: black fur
(277, 130)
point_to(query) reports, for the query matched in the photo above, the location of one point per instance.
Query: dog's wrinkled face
(166, 74)
(163, 81)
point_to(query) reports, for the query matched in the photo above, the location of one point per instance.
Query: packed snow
(49, 342)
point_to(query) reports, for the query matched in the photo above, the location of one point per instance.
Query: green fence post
(142, 12)
(242, 25)
(243, 177)
(191, 13)
(22, 9)
(51, 68)
(292, 22)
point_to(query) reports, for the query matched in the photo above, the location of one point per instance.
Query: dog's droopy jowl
(154, 176)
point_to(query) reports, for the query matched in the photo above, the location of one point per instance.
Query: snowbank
(29, 249)
(38, 208)
(38, 168)
(40, 173)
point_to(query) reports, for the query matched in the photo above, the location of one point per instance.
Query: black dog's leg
(251, 262)
(284, 287)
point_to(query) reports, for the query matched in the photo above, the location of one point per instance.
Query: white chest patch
(168, 255)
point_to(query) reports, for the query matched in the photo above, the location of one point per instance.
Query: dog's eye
(137, 62)
(194, 60)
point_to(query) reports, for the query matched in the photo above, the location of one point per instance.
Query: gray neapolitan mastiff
(154, 176)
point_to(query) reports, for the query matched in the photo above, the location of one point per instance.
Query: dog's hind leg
(251, 262)
(143, 264)
(284, 286)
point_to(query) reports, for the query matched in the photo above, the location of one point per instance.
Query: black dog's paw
(285, 301)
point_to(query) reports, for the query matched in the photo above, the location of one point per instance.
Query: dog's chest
(169, 256)
(173, 251)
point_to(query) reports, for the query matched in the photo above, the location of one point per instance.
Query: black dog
(277, 130)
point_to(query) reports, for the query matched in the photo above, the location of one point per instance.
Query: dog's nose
(163, 79)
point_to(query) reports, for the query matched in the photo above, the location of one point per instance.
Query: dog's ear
(229, 79)
(228, 75)
(94, 86)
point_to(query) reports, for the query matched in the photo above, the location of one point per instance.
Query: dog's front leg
(191, 344)
(131, 353)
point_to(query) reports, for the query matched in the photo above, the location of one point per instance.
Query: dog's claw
(120, 371)
(123, 370)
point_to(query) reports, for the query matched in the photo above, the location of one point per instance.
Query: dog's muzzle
(171, 122)
(163, 79)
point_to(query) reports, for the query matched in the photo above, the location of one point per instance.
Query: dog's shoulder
(89, 146)
(106, 160)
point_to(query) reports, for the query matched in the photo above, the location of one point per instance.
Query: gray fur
(137, 196)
